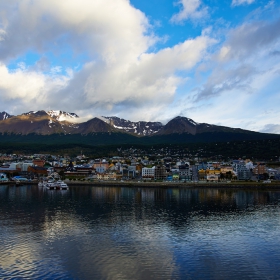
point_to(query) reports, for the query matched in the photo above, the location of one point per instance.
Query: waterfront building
(226, 169)
(148, 173)
(129, 172)
(160, 173)
(101, 163)
(260, 168)
(107, 176)
(185, 172)
(241, 171)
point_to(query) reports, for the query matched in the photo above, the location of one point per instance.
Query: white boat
(62, 185)
(41, 184)
(56, 185)
(50, 185)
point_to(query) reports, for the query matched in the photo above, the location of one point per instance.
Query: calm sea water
(139, 233)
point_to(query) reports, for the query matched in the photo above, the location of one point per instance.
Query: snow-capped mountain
(140, 128)
(62, 116)
(39, 122)
(4, 116)
(50, 122)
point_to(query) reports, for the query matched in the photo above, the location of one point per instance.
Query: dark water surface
(139, 233)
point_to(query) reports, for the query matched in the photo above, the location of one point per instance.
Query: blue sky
(213, 61)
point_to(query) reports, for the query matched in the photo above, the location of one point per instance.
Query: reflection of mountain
(130, 233)
(102, 201)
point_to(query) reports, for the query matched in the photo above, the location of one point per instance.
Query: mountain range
(179, 129)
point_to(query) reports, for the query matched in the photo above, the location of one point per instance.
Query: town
(136, 166)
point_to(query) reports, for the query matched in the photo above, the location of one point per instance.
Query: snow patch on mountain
(4, 116)
(192, 121)
(140, 128)
(62, 116)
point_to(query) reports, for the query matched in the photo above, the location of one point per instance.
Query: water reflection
(139, 233)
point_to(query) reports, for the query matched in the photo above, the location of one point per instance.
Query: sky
(213, 61)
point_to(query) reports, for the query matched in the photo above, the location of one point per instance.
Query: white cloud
(241, 2)
(189, 9)
(271, 128)
(22, 90)
(242, 81)
(120, 73)
(106, 28)
(147, 82)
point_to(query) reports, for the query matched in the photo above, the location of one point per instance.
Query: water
(139, 233)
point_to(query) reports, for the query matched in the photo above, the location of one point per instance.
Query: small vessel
(56, 185)
(18, 183)
(61, 185)
(50, 186)
(41, 184)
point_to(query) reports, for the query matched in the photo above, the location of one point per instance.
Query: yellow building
(213, 171)
(107, 176)
(226, 169)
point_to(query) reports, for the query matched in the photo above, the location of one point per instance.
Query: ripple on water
(123, 233)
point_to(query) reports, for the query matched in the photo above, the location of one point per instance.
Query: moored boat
(18, 183)
(61, 185)
(50, 185)
(56, 185)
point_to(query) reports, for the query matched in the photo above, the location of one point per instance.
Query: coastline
(218, 185)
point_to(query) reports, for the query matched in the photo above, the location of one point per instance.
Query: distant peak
(104, 119)
(62, 115)
(4, 115)
(37, 113)
(185, 119)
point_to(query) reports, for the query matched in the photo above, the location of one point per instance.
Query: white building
(148, 172)
(249, 165)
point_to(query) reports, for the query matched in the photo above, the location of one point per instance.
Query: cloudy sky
(213, 61)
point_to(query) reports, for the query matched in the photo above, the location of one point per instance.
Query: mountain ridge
(60, 122)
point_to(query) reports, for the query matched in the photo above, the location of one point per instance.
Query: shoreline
(165, 185)
(240, 185)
